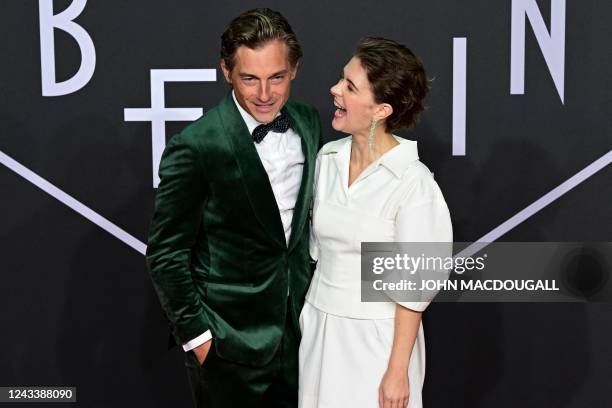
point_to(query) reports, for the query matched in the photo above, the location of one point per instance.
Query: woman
(369, 186)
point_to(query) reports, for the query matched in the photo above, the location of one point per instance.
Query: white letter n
(552, 45)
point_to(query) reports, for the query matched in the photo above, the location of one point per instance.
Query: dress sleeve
(424, 217)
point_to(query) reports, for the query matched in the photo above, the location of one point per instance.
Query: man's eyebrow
(246, 74)
(282, 72)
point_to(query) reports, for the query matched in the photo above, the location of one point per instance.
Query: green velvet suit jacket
(217, 252)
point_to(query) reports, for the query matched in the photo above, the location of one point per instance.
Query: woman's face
(354, 101)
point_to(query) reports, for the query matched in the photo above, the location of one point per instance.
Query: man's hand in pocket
(202, 351)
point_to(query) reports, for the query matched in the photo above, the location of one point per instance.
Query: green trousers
(221, 383)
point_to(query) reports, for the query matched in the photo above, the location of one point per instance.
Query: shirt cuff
(198, 341)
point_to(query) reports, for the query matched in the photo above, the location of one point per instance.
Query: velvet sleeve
(179, 202)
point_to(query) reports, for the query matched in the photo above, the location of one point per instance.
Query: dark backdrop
(76, 304)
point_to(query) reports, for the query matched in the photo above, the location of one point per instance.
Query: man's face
(261, 79)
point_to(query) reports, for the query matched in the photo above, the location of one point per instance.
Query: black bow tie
(279, 125)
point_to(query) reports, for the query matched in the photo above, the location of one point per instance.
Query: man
(228, 246)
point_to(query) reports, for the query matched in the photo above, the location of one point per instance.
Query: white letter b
(63, 21)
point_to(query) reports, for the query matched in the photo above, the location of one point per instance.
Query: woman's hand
(394, 390)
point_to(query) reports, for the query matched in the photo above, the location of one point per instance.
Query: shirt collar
(396, 160)
(399, 158)
(249, 120)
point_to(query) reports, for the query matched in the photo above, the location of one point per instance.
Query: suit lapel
(302, 204)
(254, 176)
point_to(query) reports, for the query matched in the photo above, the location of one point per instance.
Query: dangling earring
(371, 139)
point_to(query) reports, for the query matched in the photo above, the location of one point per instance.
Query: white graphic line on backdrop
(71, 202)
(537, 205)
(493, 235)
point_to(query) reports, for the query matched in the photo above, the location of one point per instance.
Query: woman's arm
(423, 217)
(394, 390)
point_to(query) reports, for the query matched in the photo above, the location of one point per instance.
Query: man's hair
(255, 28)
(396, 77)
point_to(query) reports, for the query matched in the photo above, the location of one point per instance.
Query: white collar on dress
(400, 157)
(396, 160)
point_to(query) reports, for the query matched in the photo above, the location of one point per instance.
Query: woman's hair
(396, 77)
(255, 28)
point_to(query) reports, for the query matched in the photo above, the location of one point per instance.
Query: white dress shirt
(395, 199)
(282, 158)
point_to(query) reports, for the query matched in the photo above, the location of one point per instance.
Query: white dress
(346, 343)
